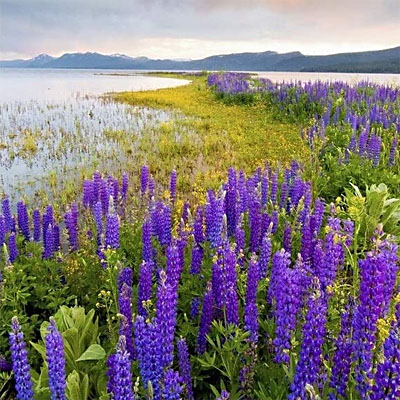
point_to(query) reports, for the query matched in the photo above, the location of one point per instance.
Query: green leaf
(94, 352)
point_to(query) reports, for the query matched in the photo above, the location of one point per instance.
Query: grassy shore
(206, 136)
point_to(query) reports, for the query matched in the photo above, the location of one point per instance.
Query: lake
(19, 84)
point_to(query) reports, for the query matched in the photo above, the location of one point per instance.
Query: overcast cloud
(195, 28)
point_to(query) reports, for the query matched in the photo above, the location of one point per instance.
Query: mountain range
(379, 61)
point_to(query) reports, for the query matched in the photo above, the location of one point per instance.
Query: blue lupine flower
(119, 373)
(172, 386)
(56, 362)
(185, 369)
(20, 364)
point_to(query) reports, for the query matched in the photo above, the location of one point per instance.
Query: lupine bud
(172, 186)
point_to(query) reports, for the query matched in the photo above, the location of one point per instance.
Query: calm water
(54, 122)
(19, 84)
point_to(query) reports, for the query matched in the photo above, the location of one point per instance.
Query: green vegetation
(210, 136)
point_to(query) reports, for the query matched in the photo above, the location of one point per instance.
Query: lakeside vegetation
(245, 248)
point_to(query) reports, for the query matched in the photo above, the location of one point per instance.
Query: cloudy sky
(195, 28)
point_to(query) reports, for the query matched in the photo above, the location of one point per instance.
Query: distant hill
(380, 61)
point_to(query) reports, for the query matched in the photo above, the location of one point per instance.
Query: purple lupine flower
(374, 149)
(147, 247)
(12, 247)
(255, 224)
(198, 231)
(389, 254)
(20, 363)
(296, 192)
(289, 301)
(96, 186)
(306, 241)
(112, 231)
(287, 238)
(240, 243)
(274, 187)
(56, 362)
(250, 308)
(71, 223)
(88, 193)
(214, 219)
(172, 185)
(125, 308)
(242, 190)
(185, 369)
(10, 222)
(152, 187)
(280, 261)
(144, 179)
(120, 376)
(332, 258)
(348, 227)
(206, 319)
(366, 315)
(56, 237)
(195, 307)
(217, 283)
(48, 219)
(36, 225)
(308, 368)
(264, 190)
(174, 266)
(113, 187)
(229, 286)
(387, 377)
(98, 221)
(145, 286)
(265, 255)
(318, 216)
(342, 356)
(230, 202)
(197, 259)
(3, 230)
(23, 220)
(167, 299)
(172, 385)
(5, 366)
(104, 196)
(393, 150)
(124, 185)
(224, 395)
(284, 195)
(48, 245)
(148, 342)
(166, 226)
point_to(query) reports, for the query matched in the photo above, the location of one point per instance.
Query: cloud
(195, 28)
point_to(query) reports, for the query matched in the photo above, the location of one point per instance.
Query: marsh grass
(207, 136)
